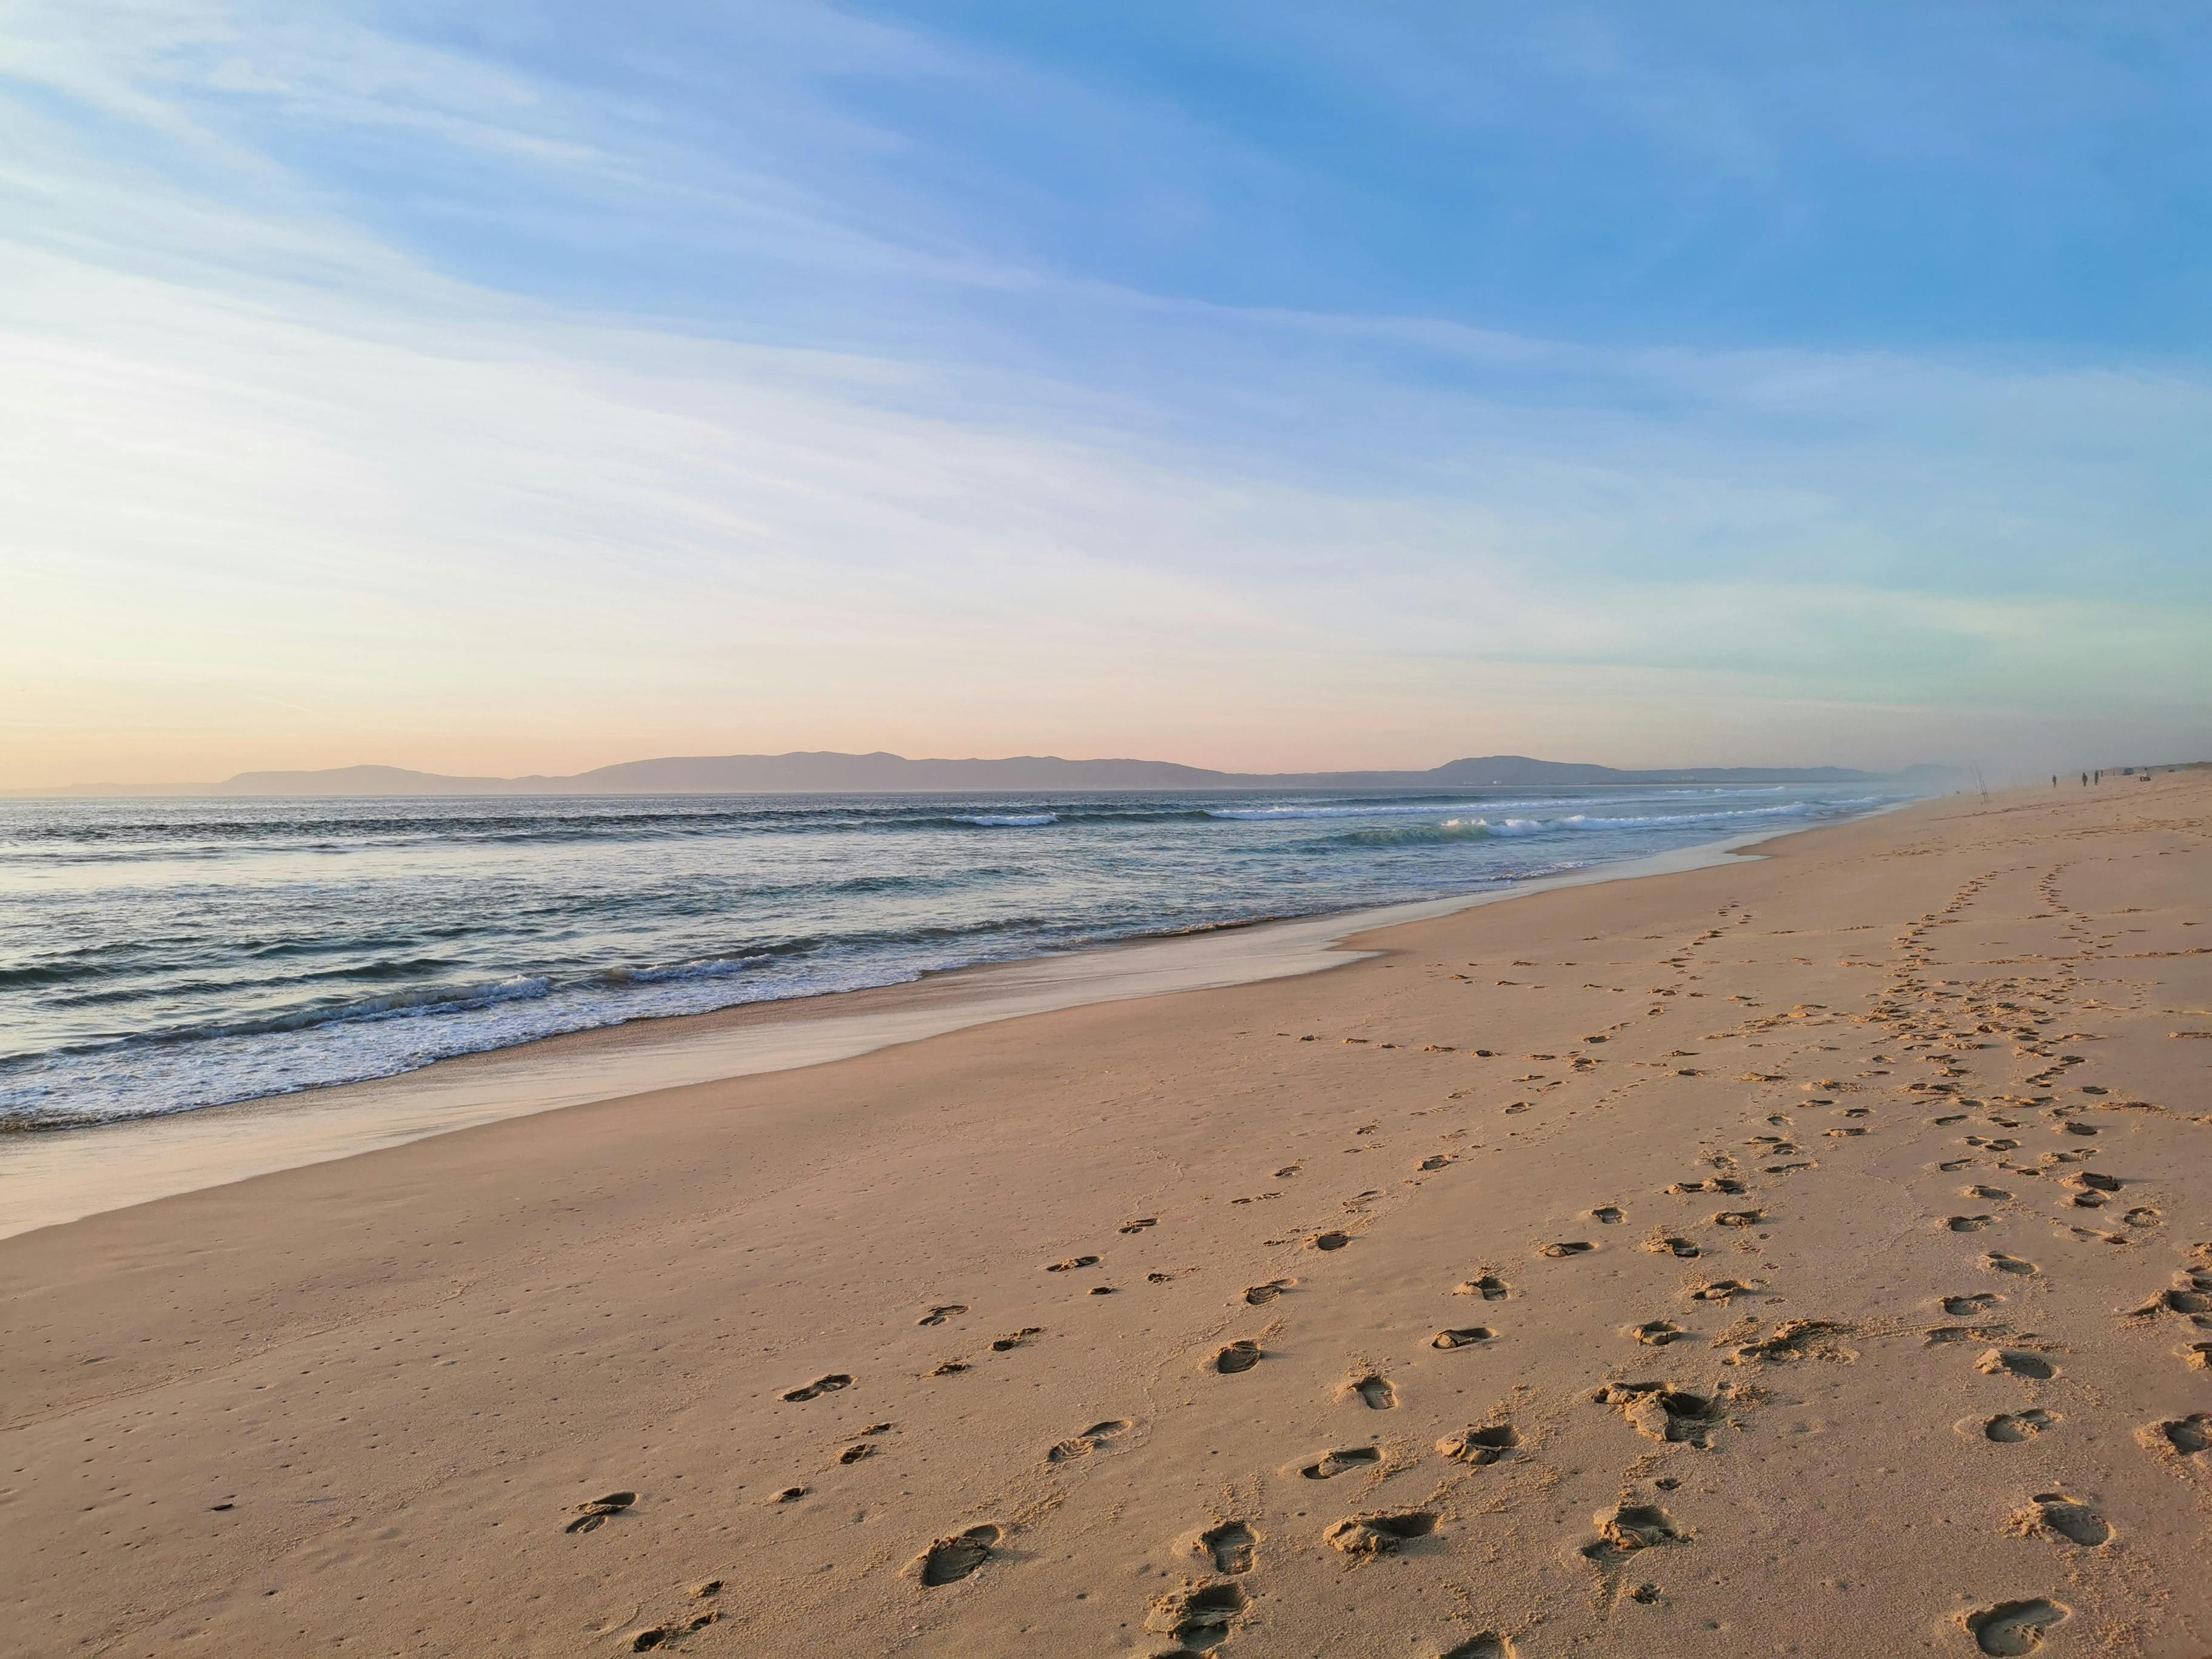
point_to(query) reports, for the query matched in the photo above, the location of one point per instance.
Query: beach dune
(1810, 1254)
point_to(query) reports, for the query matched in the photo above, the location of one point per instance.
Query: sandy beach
(1808, 1254)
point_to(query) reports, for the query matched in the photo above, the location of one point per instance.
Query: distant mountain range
(826, 772)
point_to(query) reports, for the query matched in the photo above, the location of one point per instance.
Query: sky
(519, 388)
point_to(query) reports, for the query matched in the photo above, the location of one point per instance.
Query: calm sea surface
(157, 956)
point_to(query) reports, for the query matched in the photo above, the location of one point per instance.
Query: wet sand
(1808, 1254)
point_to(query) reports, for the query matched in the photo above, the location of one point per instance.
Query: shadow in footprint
(591, 1516)
(1466, 1337)
(1628, 1528)
(2011, 1628)
(1232, 1545)
(1197, 1616)
(950, 1560)
(1097, 1437)
(1659, 1412)
(2009, 1428)
(1375, 1392)
(1479, 1447)
(2182, 1436)
(1240, 1356)
(1331, 1464)
(829, 1384)
(939, 1315)
(1379, 1534)
(1490, 1287)
(1260, 1295)
(2054, 1515)
(2015, 1362)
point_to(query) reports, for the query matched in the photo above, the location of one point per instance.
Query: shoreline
(52, 1177)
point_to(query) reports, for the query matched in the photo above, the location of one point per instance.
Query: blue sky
(519, 388)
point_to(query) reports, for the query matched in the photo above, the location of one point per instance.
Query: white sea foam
(1011, 820)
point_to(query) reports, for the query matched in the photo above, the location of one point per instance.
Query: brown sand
(1279, 1319)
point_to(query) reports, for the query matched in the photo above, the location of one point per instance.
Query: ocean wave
(1365, 810)
(1483, 829)
(1009, 820)
(678, 976)
(1596, 821)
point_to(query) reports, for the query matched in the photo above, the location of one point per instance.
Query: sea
(160, 956)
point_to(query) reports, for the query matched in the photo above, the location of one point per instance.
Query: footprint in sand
(653, 1636)
(1013, 1339)
(1099, 1436)
(1233, 1545)
(1197, 1616)
(2015, 1362)
(1967, 1223)
(1739, 1218)
(939, 1315)
(1379, 1534)
(1480, 1447)
(1239, 1356)
(1140, 1224)
(1966, 1307)
(1573, 1247)
(1488, 1287)
(2011, 1428)
(1375, 1392)
(2180, 1437)
(1673, 1245)
(821, 1385)
(1331, 1241)
(1073, 1263)
(1723, 1184)
(1466, 1337)
(950, 1560)
(1658, 1411)
(1436, 1161)
(2012, 1628)
(1657, 1332)
(1989, 1194)
(1998, 1262)
(1289, 1169)
(591, 1516)
(2054, 1515)
(2197, 1356)
(1260, 1295)
(1488, 1645)
(1627, 1527)
(1329, 1465)
(1606, 1214)
(1722, 1290)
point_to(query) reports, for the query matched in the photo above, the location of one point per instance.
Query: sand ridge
(1811, 1255)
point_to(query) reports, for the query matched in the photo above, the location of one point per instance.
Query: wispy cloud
(495, 403)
